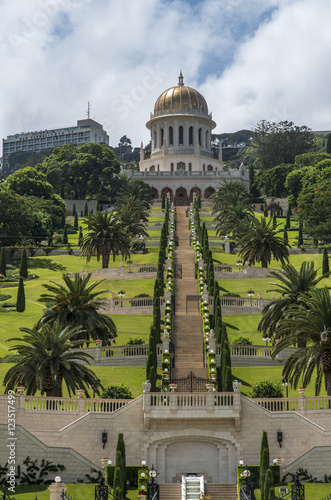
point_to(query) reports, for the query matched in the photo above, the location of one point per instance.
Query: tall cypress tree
(76, 221)
(97, 207)
(65, 235)
(80, 237)
(118, 480)
(85, 209)
(3, 262)
(163, 201)
(264, 461)
(300, 237)
(74, 210)
(20, 302)
(285, 237)
(268, 484)
(63, 219)
(325, 264)
(121, 448)
(24, 265)
(288, 219)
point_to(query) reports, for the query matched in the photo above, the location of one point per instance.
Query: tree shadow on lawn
(42, 263)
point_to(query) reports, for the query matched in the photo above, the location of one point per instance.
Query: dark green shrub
(117, 392)
(135, 341)
(325, 263)
(242, 341)
(76, 221)
(267, 389)
(65, 236)
(86, 209)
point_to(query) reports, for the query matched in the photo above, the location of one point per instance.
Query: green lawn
(313, 491)
(251, 375)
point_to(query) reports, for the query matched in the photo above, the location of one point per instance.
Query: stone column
(98, 351)
(56, 489)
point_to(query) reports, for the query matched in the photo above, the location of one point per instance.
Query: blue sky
(262, 59)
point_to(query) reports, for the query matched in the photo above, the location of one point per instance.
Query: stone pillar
(98, 350)
(81, 400)
(56, 489)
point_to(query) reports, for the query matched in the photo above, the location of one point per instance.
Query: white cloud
(58, 54)
(281, 73)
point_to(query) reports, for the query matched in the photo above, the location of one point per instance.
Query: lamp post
(246, 488)
(152, 487)
(121, 295)
(266, 340)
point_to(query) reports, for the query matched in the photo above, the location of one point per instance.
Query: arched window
(181, 165)
(171, 136)
(210, 168)
(207, 137)
(158, 168)
(155, 140)
(200, 133)
(203, 167)
(190, 167)
(180, 135)
(190, 136)
(152, 168)
(161, 137)
(172, 167)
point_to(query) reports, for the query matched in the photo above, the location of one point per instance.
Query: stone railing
(131, 302)
(139, 269)
(192, 399)
(80, 404)
(242, 302)
(248, 350)
(294, 404)
(185, 405)
(229, 268)
(128, 350)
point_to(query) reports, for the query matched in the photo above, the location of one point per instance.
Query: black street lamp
(152, 487)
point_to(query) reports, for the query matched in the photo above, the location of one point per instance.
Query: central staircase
(187, 330)
(189, 364)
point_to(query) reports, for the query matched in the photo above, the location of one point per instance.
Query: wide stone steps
(183, 372)
(169, 491)
(221, 491)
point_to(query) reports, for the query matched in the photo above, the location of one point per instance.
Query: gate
(191, 383)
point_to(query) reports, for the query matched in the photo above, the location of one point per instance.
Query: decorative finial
(180, 79)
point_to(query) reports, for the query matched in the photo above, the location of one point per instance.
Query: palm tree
(47, 359)
(77, 304)
(234, 219)
(291, 284)
(105, 235)
(310, 321)
(260, 242)
(138, 190)
(229, 194)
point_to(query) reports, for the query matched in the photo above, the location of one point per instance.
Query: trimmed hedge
(131, 474)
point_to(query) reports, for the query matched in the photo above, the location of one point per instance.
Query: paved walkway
(187, 330)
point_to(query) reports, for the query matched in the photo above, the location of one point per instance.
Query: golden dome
(180, 99)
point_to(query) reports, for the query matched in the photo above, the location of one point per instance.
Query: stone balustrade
(190, 405)
(78, 405)
(248, 350)
(295, 404)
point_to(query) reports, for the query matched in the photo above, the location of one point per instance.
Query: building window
(190, 167)
(172, 167)
(171, 136)
(207, 136)
(200, 133)
(161, 137)
(181, 135)
(181, 165)
(155, 140)
(204, 167)
(190, 136)
(210, 168)
(152, 168)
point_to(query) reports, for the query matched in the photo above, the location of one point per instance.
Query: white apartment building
(86, 130)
